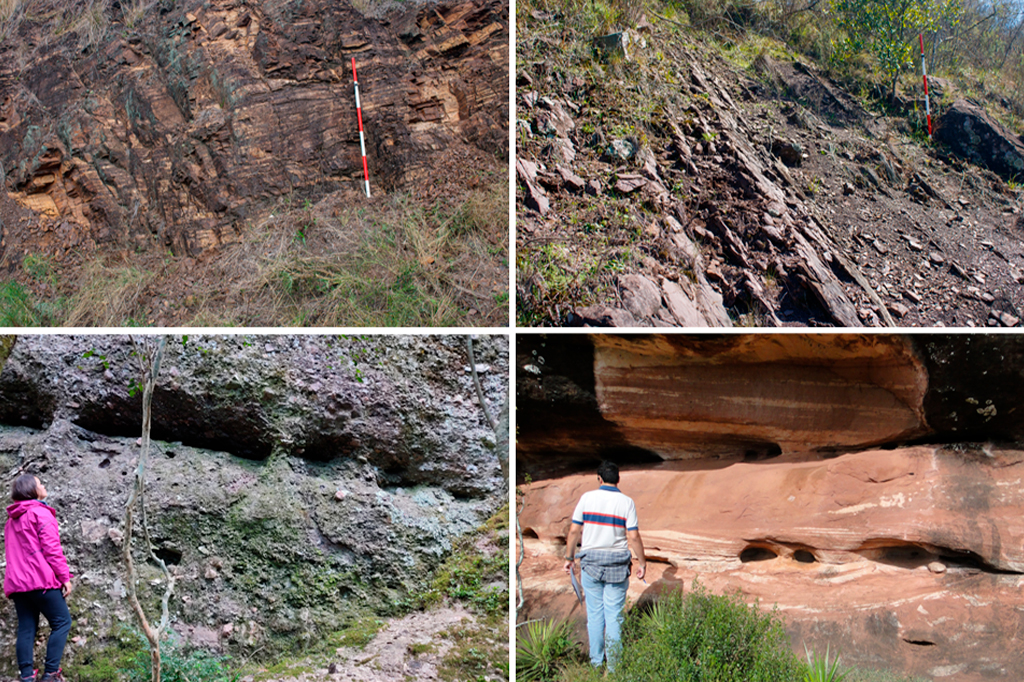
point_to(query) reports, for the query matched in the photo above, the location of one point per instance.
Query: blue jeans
(605, 605)
(29, 605)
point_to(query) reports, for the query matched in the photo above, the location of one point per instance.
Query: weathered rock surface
(268, 552)
(973, 134)
(182, 127)
(404, 405)
(755, 465)
(681, 397)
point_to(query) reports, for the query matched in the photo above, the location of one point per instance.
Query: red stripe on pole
(363, 141)
(924, 74)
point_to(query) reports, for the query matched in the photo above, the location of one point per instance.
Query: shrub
(702, 636)
(179, 663)
(16, 306)
(821, 669)
(543, 649)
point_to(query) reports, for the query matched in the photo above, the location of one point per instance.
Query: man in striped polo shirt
(606, 521)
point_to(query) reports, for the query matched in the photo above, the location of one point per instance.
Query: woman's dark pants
(51, 604)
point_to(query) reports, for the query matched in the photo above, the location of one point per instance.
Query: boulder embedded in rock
(974, 135)
(790, 153)
(641, 295)
(619, 150)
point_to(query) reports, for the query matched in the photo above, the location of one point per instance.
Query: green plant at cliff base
(821, 669)
(16, 306)
(471, 576)
(542, 649)
(178, 664)
(702, 637)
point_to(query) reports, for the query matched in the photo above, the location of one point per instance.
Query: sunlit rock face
(869, 486)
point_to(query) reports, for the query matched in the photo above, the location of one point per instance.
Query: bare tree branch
(149, 364)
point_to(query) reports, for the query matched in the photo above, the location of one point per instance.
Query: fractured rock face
(183, 130)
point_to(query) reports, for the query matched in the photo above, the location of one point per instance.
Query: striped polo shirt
(605, 514)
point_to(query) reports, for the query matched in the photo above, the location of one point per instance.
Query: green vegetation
(887, 28)
(542, 647)
(478, 653)
(697, 637)
(127, 658)
(319, 264)
(477, 578)
(820, 669)
(702, 636)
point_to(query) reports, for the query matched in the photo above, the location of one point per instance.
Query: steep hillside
(668, 179)
(304, 490)
(181, 139)
(866, 485)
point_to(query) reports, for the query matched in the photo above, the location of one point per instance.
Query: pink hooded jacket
(35, 559)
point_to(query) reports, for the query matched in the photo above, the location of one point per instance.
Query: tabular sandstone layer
(848, 548)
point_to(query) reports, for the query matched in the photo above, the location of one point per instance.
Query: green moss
(477, 579)
(358, 633)
(121, 648)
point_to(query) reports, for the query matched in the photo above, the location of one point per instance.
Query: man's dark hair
(24, 488)
(609, 472)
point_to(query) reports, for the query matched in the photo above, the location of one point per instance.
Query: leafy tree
(888, 28)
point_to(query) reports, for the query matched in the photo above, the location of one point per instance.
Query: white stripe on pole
(924, 73)
(362, 140)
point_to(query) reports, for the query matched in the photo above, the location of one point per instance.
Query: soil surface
(690, 184)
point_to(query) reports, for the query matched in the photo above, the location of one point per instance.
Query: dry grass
(340, 262)
(11, 12)
(108, 296)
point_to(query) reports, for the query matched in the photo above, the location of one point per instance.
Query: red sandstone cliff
(755, 465)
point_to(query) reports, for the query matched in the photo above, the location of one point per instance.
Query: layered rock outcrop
(271, 549)
(181, 126)
(755, 466)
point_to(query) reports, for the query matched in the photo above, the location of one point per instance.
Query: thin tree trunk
(137, 498)
(476, 382)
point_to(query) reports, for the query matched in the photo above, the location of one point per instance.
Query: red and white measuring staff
(362, 140)
(924, 72)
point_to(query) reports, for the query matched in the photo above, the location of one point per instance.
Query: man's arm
(636, 544)
(573, 539)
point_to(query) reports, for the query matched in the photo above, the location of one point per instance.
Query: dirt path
(411, 647)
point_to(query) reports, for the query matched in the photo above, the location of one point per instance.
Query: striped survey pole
(362, 140)
(924, 73)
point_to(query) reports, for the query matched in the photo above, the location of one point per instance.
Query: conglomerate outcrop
(296, 486)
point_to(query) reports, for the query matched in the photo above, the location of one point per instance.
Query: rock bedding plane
(193, 118)
(881, 516)
(276, 537)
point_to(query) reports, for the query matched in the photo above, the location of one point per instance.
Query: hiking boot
(54, 677)
(30, 678)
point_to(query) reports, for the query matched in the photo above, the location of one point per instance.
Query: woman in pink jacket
(37, 578)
